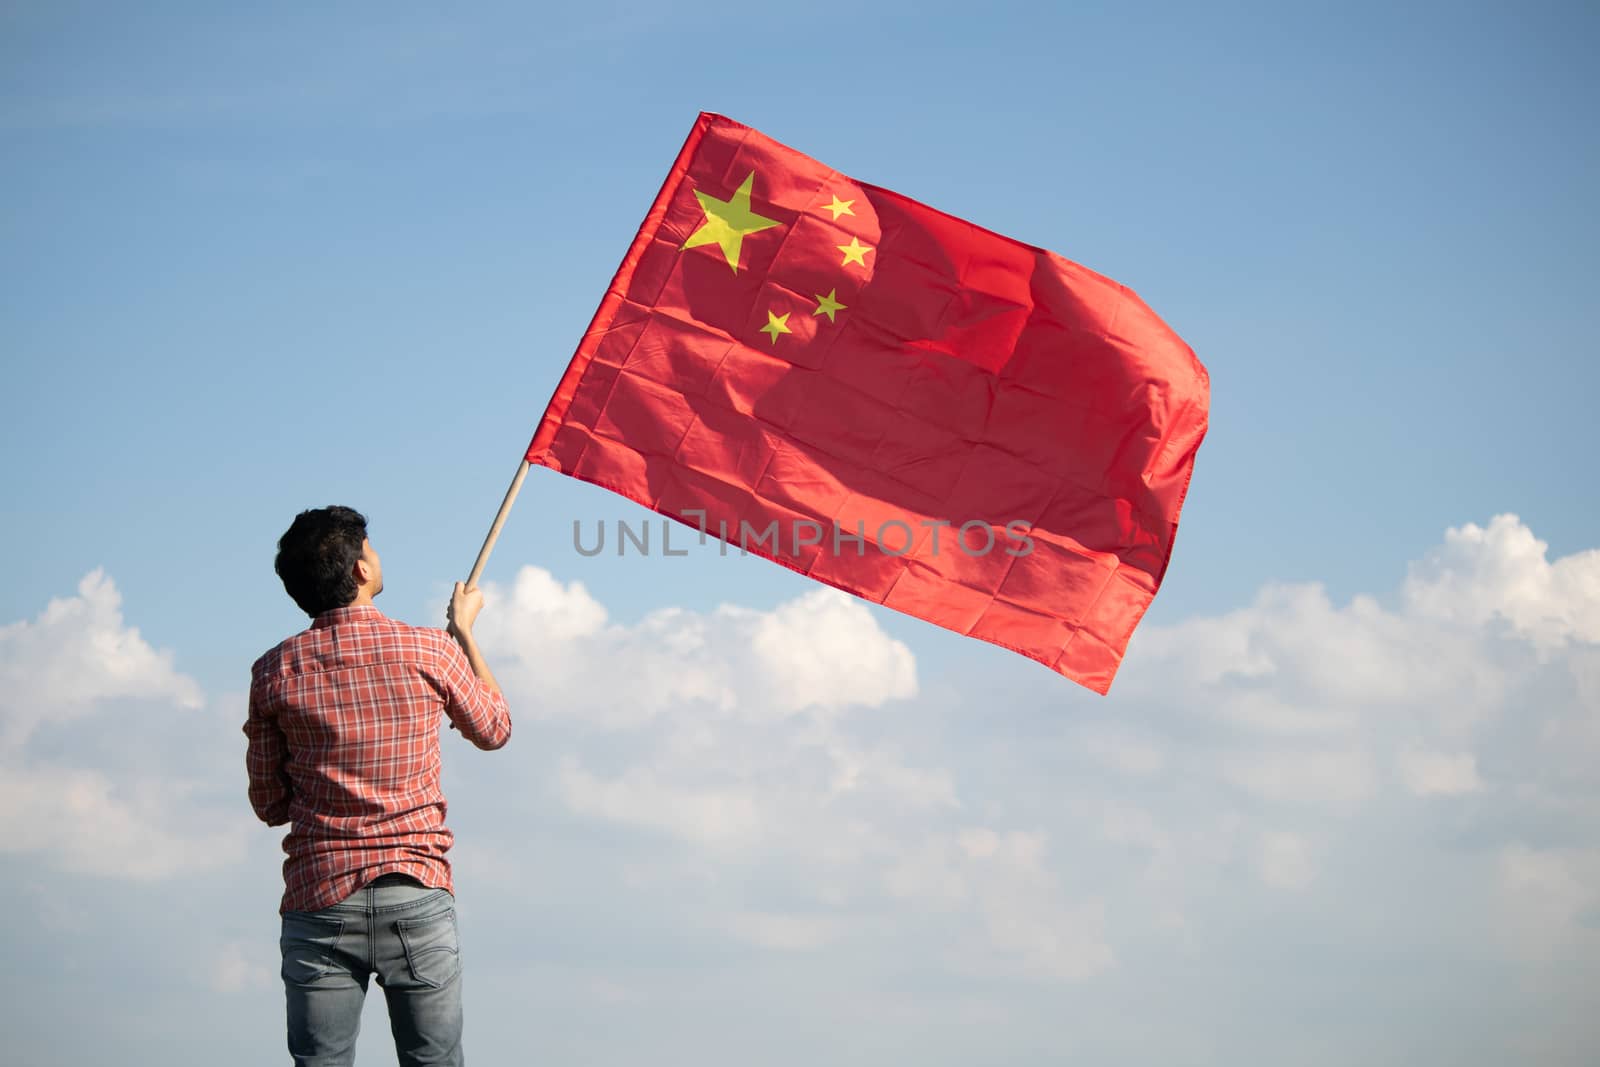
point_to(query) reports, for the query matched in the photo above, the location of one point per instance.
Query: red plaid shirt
(344, 746)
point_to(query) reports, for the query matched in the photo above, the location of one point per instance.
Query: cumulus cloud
(75, 658)
(1440, 773)
(1285, 861)
(1334, 777)
(1294, 663)
(706, 814)
(1501, 572)
(243, 966)
(789, 933)
(1029, 920)
(1300, 699)
(743, 745)
(823, 651)
(137, 827)
(1409, 775)
(1123, 749)
(82, 804)
(1549, 901)
(1245, 753)
(1465, 706)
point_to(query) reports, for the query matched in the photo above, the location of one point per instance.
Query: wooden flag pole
(499, 521)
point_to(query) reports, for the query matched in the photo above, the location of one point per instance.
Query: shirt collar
(348, 613)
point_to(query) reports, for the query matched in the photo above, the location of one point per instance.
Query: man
(344, 747)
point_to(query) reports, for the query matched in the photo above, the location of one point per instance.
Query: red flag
(888, 399)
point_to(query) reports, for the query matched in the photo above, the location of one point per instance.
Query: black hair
(317, 555)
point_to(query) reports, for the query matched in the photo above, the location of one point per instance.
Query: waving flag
(887, 399)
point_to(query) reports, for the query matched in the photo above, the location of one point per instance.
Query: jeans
(406, 935)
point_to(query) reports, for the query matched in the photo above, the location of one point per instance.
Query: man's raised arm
(474, 703)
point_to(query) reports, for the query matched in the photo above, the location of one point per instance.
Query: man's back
(344, 745)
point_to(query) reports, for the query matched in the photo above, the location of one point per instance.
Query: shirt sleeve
(266, 757)
(479, 712)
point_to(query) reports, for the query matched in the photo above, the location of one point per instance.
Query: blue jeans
(406, 935)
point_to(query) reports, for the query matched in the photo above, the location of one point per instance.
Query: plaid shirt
(344, 746)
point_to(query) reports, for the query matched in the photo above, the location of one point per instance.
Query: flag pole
(499, 521)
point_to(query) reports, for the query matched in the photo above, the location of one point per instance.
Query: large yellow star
(840, 207)
(729, 222)
(776, 324)
(828, 305)
(853, 252)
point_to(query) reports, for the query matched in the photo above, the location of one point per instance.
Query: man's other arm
(265, 758)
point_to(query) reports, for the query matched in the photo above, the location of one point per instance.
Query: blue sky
(259, 260)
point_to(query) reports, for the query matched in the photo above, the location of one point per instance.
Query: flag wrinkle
(1137, 433)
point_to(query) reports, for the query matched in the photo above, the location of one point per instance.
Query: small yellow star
(776, 324)
(840, 207)
(828, 305)
(853, 252)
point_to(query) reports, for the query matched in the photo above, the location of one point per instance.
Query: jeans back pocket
(433, 950)
(308, 944)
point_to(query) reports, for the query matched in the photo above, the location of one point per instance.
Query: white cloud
(1501, 571)
(881, 773)
(825, 649)
(821, 651)
(1550, 901)
(709, 815)
(243, 966)
(744, 718)
(1470, 709)
(1303, 701)
(1251, 742)
(788, 933)
(1029, 920)
(1017, 916)
(729, 803)
(1440, 773)
(1122, 749)
(136, 827)
(1285, 861)
(1337, 778)
(76, 657)
(1293, 663)
(540, 608)
(78, 661)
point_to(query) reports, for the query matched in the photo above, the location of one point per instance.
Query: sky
(1342, 802)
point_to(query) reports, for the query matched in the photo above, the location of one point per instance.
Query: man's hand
(465, 603)
(490, 725)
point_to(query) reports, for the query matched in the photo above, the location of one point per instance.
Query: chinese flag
(888, 399)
